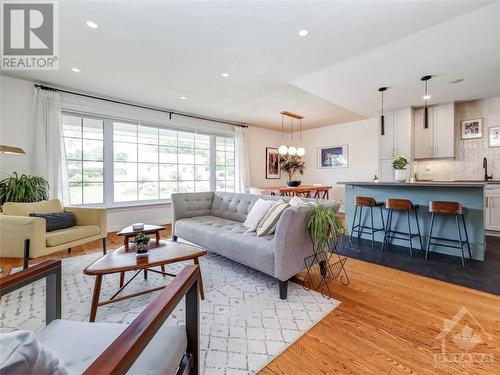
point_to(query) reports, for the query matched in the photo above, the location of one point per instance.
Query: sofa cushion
(77, 232)
(25, 209)
(229, 238)
(78, 344)
(235, 206)
(257, 213)
(22, 353)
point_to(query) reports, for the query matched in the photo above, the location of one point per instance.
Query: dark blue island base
(470, 195)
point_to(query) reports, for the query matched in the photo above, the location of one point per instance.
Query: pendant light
(292, 150)
(283, 149)
(382, 120)
(426, 97)
(301, 150)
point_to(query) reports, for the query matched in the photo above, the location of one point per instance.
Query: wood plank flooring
(386, 324)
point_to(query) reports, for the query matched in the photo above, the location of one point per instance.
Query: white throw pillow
(296, 202)
(22, 353)
(257, 213)
(269, 223)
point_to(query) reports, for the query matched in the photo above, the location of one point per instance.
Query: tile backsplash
(469, 154)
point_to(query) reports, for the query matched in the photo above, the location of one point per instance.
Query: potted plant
(292, 164)
(399, 164)
(24, 188)
(141, 245)
(324, 227)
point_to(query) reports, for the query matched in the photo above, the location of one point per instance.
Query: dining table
(306, 191)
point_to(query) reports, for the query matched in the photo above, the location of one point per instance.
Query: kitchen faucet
(485, 167)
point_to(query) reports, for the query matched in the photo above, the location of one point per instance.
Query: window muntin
(224, 164)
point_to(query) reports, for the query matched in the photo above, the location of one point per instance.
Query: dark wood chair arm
(125, 350)
(27, 276)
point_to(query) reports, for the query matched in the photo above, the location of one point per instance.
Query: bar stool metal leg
(460, 238)
(382, 217)
(387, 229)
(409, 233)
(359, 220)
(466, 236)
(419, 234)
(373, 229)
(352, 228)
(430, 236)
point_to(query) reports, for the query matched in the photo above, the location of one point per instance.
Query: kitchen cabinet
(395, 141)
(438, 140)
(492, 207)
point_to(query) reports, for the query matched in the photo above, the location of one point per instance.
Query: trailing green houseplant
(23, 188)
(292, 164)
(324, 227)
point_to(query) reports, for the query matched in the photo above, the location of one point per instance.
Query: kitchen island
(469, 194)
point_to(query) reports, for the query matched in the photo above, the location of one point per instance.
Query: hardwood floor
(387, 323)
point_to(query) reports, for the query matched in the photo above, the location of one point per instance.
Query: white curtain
(47, 141)
(241, 160)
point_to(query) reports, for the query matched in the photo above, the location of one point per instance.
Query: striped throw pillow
(269, 223)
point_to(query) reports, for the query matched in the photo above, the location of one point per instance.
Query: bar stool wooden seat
(448, 208)
(370, 203)
(401, 206)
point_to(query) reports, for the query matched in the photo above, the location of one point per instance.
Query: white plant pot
(400, 175)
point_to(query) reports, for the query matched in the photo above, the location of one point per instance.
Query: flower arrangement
(400, 162)
(291, 164)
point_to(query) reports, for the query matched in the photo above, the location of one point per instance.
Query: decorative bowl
(293, 183)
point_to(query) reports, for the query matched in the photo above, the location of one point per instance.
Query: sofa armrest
(15, 229)
(90, 216)
(125, 350)
(190, 205)
(292, 242)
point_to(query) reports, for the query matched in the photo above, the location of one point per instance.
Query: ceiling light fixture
(183, 97)
(382, 119)
(92, 24)
(291, 150)
(76, 70)
(426, 97)
(225, 75)
(303, 32)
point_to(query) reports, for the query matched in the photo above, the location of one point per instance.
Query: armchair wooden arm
(51, 271)
(125, 350)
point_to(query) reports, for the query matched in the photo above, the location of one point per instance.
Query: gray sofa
(214, 220)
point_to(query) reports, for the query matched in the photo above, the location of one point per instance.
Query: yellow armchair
(16, 226)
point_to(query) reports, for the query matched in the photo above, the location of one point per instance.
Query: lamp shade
(292, 150)
(11, 150)
(301, 151)
(283, 150)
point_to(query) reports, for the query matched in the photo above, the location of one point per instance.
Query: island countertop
(448, 184)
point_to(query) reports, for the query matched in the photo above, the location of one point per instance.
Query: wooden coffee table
(129, 232)
(123, 259)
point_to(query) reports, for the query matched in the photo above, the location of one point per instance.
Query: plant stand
(329, 265)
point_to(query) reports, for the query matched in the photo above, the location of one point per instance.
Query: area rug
(243, 323)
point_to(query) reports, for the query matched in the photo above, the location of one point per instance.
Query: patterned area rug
(244, 324)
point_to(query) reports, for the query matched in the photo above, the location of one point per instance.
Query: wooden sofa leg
(69, 250)
(104, 246)
(26, 259)
(283, 289)
(174, 238)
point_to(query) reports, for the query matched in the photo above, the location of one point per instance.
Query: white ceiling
(155, 52)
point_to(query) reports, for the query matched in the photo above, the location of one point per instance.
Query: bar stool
(402, 206)
(448, 208)
(359, 229)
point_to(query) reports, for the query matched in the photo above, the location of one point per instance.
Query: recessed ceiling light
(303, 32)
(183, 97)
(76, 70)
(426, 97)
(456, 81)
(225, 75)
(91, 24)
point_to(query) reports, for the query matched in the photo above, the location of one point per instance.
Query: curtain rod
(170, 113)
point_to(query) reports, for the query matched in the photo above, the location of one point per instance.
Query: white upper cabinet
(438, 140)
(397, 137)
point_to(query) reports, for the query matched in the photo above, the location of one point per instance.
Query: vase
(400, 175)
(141, 250)
(293, 183)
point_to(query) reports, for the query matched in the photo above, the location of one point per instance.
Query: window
(111, 161)
(84, 159)
(224, 163)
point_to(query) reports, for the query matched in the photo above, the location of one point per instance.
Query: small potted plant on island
(292, 164)
(141, 245)
(399, 164)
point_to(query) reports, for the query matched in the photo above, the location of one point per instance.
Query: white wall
(362, 140)
(15, 115)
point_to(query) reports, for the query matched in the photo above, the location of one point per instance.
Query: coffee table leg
(157, 238)
(202, 292)
(122, 278)
(95, 298)
(145, 274)
(163, 269)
